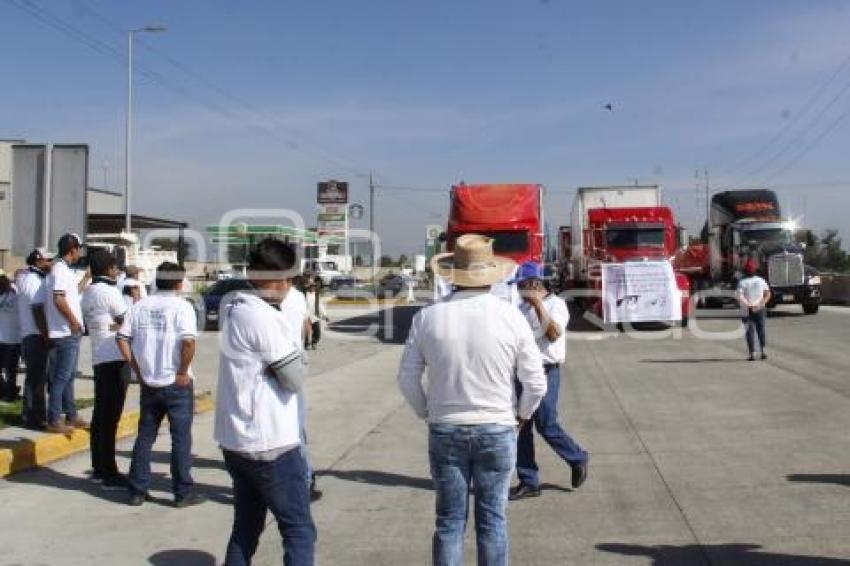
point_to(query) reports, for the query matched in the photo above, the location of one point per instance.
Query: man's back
(156, 326)
(472, 345)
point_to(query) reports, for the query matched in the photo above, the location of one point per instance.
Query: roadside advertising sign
(332, 192)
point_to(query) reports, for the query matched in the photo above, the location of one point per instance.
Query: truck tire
(811, 308)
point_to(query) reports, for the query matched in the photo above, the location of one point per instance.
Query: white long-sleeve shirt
(472, 346)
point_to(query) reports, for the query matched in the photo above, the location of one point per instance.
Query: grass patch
(10, 413)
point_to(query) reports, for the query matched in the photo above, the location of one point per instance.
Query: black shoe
(763, 355)
(315, 494)
(522, 491)
(752, 357)
(193, 498)
(579, 471)
(137, 499)
(115, 482)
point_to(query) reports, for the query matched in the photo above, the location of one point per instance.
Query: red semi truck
(619, 225)
(511, 214)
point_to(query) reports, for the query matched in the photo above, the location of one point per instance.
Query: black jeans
(34, 409)
(754, 322)
(9, 356)
(157, 402)
(277, 486)
(109, 394)
(317, 332)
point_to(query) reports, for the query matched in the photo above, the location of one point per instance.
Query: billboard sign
(332, 192)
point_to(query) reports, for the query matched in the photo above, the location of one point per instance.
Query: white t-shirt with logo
(101, 305)
(253, 413)
(753, 288)
(294, 310)
(62, 280)
(31, 291)
(156, 328)
(10, 332)
(552, 352)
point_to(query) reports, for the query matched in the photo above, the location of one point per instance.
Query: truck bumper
(796, 295)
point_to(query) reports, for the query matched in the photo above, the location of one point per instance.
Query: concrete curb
(26, 454)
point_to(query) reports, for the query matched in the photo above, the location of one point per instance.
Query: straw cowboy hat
(473, 263)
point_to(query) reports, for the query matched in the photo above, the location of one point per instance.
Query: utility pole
(707, 198)
(372, 228)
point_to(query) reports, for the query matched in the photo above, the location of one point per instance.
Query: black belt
(547, 367)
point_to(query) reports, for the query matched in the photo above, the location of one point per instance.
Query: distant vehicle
(325, 270)
(511, 214)
(748, 225)
(393, 284)
(212, 299)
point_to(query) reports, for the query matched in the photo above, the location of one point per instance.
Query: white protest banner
(640, 291)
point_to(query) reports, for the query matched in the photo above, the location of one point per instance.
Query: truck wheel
(811, 308)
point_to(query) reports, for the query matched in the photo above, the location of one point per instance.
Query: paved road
(698, 457)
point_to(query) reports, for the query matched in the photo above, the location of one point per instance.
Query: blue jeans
(60, 384)
(155, 403)
(34, 408)
(302, 423)
(754, 323)
(275, 486)
(545, 420)
(483, 456)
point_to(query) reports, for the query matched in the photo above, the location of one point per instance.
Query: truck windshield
(327, 266)
(508, 242)
(767, 236)
(635, 237)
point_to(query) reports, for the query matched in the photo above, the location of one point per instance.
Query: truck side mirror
(442, 237)
(682, 237)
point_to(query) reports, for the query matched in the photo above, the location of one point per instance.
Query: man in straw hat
(472, 345)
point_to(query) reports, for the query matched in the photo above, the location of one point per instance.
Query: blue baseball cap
(528, 270)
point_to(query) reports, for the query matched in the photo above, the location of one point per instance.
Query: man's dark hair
(67, 243)
(34, 256)
(101, 261)
(271, 255)
(169, 275)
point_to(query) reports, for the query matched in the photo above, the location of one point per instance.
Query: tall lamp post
(128, 173)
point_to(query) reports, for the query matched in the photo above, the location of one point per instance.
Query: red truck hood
(498, 208)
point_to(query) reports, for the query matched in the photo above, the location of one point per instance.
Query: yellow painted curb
(27, 454)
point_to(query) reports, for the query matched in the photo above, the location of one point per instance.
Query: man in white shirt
(754, 294)
(10, 340)
(256, 421)
(548, 317)
(32, 293)
(294, 310)
(103, 312)
(65, 328)
(157, 338)
(471, 344)
(316, 314)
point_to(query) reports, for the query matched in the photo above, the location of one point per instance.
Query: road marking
(839, 310)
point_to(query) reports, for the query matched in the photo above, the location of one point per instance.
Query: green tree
(826, 253)
(402, 260)
(387, 261)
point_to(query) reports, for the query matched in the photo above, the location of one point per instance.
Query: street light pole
(128, 170)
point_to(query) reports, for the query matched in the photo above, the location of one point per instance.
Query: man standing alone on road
(256, 417)
(103, 311)
(754, 294)
(548, 317)
(157, 339)
(65, 326)
(471, 344)
(34, 338)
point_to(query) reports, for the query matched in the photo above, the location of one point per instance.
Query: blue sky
(248, 104)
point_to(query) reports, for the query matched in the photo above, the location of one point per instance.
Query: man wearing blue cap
(548, 316)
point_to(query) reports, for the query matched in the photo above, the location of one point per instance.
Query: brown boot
(78, 422)
(59, 428)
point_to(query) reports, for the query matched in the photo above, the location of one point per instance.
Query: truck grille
(785, 270)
